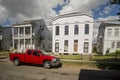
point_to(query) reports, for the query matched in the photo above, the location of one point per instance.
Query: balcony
(22, 36)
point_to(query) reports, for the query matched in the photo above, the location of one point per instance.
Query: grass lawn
(4, 54)
(72, 57)
(89, 57)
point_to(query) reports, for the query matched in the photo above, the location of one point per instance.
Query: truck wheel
(47, 64)
(16, 62)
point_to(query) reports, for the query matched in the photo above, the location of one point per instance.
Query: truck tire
(47, 64)
(16, 62)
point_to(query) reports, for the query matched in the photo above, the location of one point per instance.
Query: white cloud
(107, 10)
(20, 10)
(82, 6)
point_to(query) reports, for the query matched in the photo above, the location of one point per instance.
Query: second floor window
(116, 31)
(109, 33)
(86, 28)
(76, 30)
(15, 30)
(57, 30)
(27, 30)
(21, 31)
(118, 44)
(66, 30)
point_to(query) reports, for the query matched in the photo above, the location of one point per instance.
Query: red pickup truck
(35, 57)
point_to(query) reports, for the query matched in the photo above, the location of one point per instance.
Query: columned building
(73, 33)
(31, 35)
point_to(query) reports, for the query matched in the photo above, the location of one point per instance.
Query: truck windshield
(44, 52)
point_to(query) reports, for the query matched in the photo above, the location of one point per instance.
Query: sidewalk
(68, 60)
(3, 57)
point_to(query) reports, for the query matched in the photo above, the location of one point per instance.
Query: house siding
(71, 21)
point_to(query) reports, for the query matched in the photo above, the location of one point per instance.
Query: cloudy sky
(14, 11)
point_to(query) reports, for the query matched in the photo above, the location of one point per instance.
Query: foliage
(116, 53)
(94, 49)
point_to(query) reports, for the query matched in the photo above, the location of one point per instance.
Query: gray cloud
(20, 10)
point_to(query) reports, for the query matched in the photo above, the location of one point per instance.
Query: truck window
(35, 53)
(29, 52)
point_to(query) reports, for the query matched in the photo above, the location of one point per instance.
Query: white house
(72, 33)
(108, 38)
(31, 34)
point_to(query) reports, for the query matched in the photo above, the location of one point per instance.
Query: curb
(3, 57)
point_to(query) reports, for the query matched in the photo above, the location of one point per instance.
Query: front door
(86, 47)
(56, 47)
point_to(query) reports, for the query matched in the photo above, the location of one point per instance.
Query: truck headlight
(54, 59)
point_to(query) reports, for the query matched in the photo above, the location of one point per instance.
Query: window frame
(75, 45)
(65, 45)
(66, 31)
(76, 29)
(87, 28)
(57, 29)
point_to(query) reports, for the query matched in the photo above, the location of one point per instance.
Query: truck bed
(20, 56)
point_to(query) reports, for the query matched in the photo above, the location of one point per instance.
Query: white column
(24, 38)
(18, 39)
(31, 36)
(31, 31)
(13, 37)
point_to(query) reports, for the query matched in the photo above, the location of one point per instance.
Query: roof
(110, 24)
(71, 14)
(26, 22)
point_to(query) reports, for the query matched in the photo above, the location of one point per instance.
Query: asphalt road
(28, 72)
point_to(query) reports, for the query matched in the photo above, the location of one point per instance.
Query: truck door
(28, 57)
(36, 57)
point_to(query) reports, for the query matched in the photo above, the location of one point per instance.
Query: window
(29, 52)
(15, 31)
(35, 53)
(116, 31)
(118, 44)
(75, 45)
(109, 33)
(21, 31)
(113, 44)
(76, 30)
(66, 30)
(27, 30)
(65, 45)
(57, 30)
(86, 44)
(86, 28)
(27, 41)
(56, 47)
